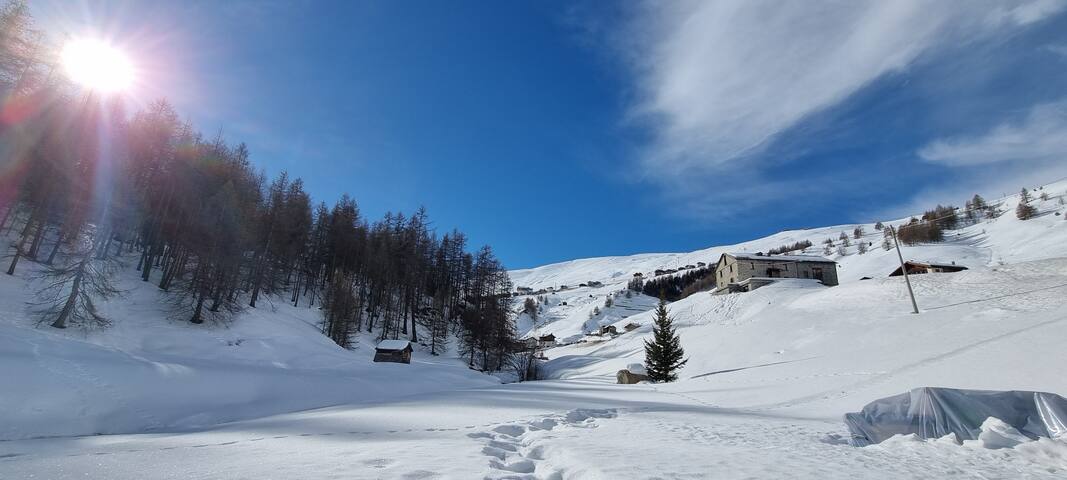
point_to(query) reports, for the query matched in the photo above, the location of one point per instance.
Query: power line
(1014, 294)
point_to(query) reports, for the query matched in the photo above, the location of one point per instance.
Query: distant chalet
(395, 351)
(916, 268)
(744, 272)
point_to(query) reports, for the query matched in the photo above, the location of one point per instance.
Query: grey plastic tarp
(931, 412)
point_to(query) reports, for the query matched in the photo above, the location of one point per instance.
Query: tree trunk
(61, 321)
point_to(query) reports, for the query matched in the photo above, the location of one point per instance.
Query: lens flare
(97, 65)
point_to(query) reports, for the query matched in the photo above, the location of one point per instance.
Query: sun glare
(97, 65)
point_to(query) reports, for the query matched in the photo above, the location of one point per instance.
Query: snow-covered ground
(149, 372)
(770, 374)
(552, 430)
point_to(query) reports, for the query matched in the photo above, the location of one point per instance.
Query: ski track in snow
(880, 378)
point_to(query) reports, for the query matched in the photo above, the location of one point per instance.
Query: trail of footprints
(516, 450)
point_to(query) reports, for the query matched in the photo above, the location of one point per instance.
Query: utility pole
(904, 270)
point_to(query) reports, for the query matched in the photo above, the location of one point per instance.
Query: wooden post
(904, 270)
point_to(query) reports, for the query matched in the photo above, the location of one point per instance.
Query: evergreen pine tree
(663, 354)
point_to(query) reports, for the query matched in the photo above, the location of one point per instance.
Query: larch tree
(71, 286)
(1025, 211)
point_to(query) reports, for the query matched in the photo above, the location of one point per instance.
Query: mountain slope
(985, 244)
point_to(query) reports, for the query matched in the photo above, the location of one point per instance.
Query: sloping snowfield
(770, 374)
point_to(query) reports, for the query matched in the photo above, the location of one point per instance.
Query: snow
(770, 374)
(788, 258)
(151, 373)
(997, 434)
(393, 344)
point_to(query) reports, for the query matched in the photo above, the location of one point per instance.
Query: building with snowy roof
(743, 272)
(396, 351)
(916, 268)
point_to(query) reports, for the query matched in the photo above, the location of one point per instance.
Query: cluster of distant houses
(520, 291)
(734, 272)
(668, 271)
(744, 272)
(543, 341)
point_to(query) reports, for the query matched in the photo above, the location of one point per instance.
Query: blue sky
(559, 130)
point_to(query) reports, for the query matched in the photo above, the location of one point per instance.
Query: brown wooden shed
(916, 268)
(395, 351)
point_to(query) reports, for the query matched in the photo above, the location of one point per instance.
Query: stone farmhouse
(743, 272)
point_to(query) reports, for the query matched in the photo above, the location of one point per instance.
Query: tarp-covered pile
(931, 412)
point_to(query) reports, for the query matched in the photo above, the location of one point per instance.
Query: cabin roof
(934, 264)
(393, 345)
(781, 258)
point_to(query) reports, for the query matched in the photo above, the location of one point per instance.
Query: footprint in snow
(513, 449)
(379, 462)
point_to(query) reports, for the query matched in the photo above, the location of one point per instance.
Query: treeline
(931, 227)
(796, 246)
(84, 182)
(676, 287)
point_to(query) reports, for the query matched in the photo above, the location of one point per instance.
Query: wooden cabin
(395, 351)
(546, 341)
(918, 268)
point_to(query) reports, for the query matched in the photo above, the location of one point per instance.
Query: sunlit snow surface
(770, 374)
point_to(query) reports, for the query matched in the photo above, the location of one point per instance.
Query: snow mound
(997, 434)
(638, 368)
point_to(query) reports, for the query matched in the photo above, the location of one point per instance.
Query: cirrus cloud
(1040, 136)
(719, 81)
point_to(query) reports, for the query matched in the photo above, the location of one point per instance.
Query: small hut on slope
(395, 351)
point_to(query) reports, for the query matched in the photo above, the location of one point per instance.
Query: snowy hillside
(148, 373)
(988, 243)
(770, 374)
(1001, 240)
(827, 350)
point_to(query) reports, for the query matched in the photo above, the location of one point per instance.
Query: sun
(97, 65)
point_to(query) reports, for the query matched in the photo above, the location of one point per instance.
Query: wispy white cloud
(1024, 152)
(1040, 136)
(718, 81)
(1058, 49)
